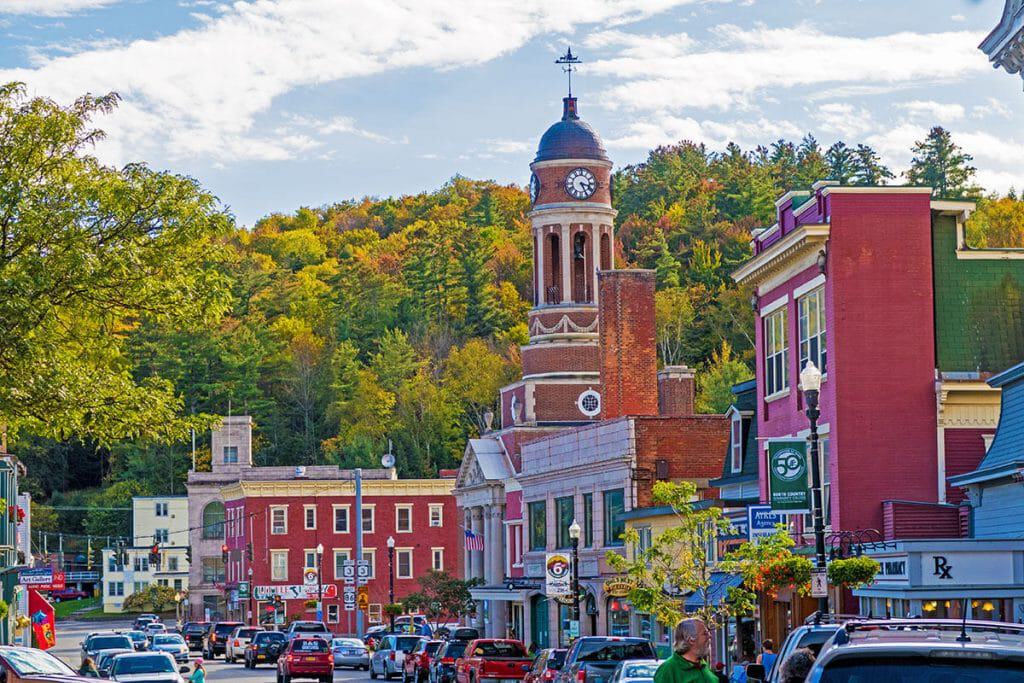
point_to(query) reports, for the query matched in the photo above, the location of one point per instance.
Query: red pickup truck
(490, 660)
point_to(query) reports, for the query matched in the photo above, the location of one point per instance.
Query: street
(71, 633)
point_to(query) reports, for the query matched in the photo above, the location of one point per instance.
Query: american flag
(474, 542)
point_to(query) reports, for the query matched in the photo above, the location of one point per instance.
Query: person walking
(768, 655)
(690, 649)
(199, 674)
(797, 666)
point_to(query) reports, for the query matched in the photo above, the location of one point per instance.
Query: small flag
(473, 541)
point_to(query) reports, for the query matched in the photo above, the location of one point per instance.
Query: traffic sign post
(363, 597)
(819, 583)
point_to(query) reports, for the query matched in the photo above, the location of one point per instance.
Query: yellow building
(160, 521)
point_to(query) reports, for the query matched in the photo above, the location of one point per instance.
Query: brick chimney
(676, 390)
(629, 362)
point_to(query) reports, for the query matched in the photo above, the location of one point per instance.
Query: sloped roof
(491, 458)
(744, 399)
(1006, 454)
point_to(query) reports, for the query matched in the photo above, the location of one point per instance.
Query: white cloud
(664, 128)
(843, 119)
(510, 146)
(199, 92)
(958, 17)
(992, 107)
(933, 112)
(51, 8)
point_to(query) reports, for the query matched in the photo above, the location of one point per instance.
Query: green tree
(472, 376)
(673, 315)
(940, 164)
(869, 169)
(842, 163)
(44, 517)
(112, 514)
(442, 598)
(715, 381)
(153, 597)
(997, 223)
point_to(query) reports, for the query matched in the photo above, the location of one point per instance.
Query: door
(539, 621)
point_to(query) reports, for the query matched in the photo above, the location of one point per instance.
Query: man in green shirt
(692, 645)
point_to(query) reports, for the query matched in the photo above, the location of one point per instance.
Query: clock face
(580, 183)
(534, 188)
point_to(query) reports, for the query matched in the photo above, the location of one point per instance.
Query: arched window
(580, 269)
(553, 291)
(213, 520)
(606, 252)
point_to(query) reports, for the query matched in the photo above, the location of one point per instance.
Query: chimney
(676, 391)
(629, 362)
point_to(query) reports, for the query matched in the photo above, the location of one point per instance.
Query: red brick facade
(690, 448)
(552, 183)
(677, 389)
(629, 360)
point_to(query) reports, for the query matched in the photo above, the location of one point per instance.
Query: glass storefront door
(539, 621)
(619, 612)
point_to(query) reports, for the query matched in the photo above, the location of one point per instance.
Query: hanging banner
(43, 620)
(787, 476)
(557, 569)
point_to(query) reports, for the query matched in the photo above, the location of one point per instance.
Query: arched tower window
(606, 252)
(553, 276)
(580, 259)
(213, 520)
(538, 286)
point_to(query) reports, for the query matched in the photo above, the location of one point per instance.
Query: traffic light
(248, 552)
(224, 553)
(188, 554)
(88, 553)
(154, 556)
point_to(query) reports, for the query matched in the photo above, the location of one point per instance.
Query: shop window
(619, 611)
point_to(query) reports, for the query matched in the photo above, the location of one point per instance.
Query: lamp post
(810, 383)
(177, 608)
(391, 578)
(319, 582)
(574, 534)
(252, 609)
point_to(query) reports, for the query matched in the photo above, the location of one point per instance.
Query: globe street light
(319, 582)
(810, 384)
(391, 578)
(574, 534)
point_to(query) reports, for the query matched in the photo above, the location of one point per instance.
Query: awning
(502, 594)
(718, 590)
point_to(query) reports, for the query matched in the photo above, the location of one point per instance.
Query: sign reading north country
(294, 592)
(557, 570)
(761, 521)
(787, 476)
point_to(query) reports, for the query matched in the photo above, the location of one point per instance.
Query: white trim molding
(809, 286)
(774, 305)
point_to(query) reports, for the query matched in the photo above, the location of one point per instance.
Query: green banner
(787, 476)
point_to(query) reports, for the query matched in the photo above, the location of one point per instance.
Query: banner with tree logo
(787, 476)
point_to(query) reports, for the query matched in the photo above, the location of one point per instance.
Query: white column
(538, 267)
(566, 262)
(595, 255)
(478, 564)
(488, 542)
(497, 548)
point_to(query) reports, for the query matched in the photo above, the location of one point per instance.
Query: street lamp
(319, 582)
(177, 608)
(391, 578)
(810, 383)
(574, 534)
(252, 610)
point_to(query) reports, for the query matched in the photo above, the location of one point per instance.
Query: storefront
(946, 578)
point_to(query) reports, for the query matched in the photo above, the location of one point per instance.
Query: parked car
(306, 657)
(390, 654)
(350, 652)
(194, 632)
(442, 666)
(146, 667)
(308, 629)
(234, 648)
(487, 659)
(416, 667)
(29, 665)
(105, 640)
(592, 659)
(171, 643)
(265, 648)
(104, 658)
(139, 639)
(68, 594)
(464, 633)
(811, 636)
(635, 671)
(546, 666)
(153, 628)
(216, 638)
(143, 619)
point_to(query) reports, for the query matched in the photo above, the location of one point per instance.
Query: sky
(277, 104)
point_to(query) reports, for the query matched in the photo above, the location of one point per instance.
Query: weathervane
(568, 59)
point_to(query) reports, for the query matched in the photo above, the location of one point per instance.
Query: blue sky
(275, 104)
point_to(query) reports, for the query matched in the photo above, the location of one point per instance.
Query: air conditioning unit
(300, 471)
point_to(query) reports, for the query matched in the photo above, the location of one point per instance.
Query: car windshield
(269, 637)
(26, 661)
(309, 645)
(432, 648)
(556, 659)
(613, 651)
(225, 629)
(196, 628)
(454, 650)
(308, 627)
(136, 635)
(168, 639)
(927, 669)
(109, 642)
(247, 632)
(499, 649)
(407, 642)
(639, 670)
(143, 664)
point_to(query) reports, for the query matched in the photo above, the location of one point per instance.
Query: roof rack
(962, 625)
(819, 618)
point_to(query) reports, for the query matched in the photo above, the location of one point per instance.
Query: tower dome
(570, 138)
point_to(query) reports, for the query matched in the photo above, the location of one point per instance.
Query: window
(588, 520)
(403, 519)
(115, 588)
(812, 328)
(112, 563)
(309, 512)
(161, 509)
(436, 514)
(613, 526)
(644, 541)
(160, 536)
(538, 525)
(177, 584)
(367, 519)
(437, 559)
(230, 454)
(371, 557)
(564, 512)
(341, 519)
(826, 486)
(310, 559)
(736, 442)
(172, 564)
(278, 565)
(279, 520)
(141, 563)
(403, 563)
(775, 353)
(213, 520)
(340, 557)
(332, 614)
(213, 570)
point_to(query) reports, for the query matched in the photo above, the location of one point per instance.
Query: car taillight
(549, 675)
(447, 660)
(238, 643)
(291, 658)
(252, 647)
(213, 638)
(581, 676)
(392, 655)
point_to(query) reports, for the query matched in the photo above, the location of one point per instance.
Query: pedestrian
(739, 668)
(797, 666)
(767, 656)
(691, 647)
(720, 673)
(88, 669)
(199, 674)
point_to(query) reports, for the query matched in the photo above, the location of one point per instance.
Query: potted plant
(853, 572)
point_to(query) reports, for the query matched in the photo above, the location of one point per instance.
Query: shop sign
(891, 568)
(294, 592)
(966, 568)
(618, 588)
(761, 521)
(787, 476)
(43, 579)
(557, 569)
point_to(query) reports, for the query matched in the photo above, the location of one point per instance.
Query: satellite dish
(388, 460)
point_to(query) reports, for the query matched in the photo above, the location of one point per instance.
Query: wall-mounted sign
(787, 476)
(891, 568)
(761, 521)
(618, 588)
(43, 579)
(966, 568)
(558, 571)
(294, 592)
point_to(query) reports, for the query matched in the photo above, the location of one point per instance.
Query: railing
(553, 295)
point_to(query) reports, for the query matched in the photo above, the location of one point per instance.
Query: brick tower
(572, 221)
